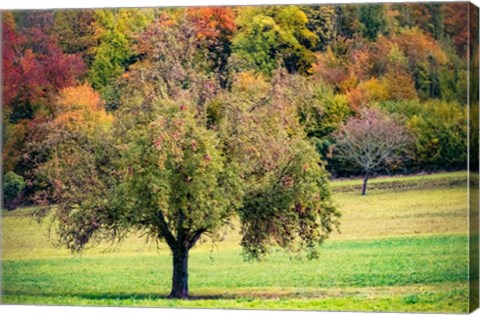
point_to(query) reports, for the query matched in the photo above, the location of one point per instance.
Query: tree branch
(262, 102)
(165, 231)
(195, 237)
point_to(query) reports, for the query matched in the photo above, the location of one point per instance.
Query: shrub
(440, 129)
(13, 186)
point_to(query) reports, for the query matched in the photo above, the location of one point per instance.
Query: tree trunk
(180, 274)
(364, 188)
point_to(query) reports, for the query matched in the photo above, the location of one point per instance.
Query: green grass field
(400, 248)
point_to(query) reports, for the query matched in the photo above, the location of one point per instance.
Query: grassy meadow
(403, 247)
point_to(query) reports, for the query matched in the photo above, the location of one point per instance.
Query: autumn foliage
(35, 68)
(79, 107)
(69, 68)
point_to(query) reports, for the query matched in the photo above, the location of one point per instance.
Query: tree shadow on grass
(153, 296)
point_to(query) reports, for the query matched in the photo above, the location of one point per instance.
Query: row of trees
(171, 121)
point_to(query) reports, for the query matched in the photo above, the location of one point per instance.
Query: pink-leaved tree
(371, 141)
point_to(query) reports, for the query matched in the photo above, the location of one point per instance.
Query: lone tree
(183, 156)
(371, 141)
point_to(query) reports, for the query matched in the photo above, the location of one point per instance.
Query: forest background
(409, 61)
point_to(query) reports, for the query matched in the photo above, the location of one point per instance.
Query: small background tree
(371, 141)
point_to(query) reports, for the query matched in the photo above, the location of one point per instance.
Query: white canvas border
(71, 310)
